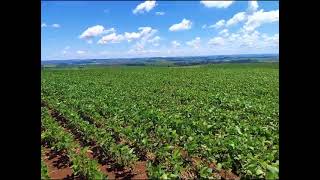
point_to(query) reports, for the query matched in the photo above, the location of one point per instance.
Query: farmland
(209, 121)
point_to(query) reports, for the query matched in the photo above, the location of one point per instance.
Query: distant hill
(163, 61)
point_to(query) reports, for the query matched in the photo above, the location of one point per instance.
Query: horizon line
(156, 57)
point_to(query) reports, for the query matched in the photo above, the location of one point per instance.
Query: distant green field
(181, 120)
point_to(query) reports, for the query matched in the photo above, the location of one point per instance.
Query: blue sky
(110, 29)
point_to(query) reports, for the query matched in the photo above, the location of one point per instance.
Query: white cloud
(156, 44)
(144, 7)
(56, 25)
(224, 32)
(104, 53)
(250, 39)
(271, 40)
(245, 39)
(143, 36)
(183, 25)
(155, 41)
(219, 41)
(111, 30)
(160, 13)
(253, 6)
(218, 24)
(112, 38)
(43, 25)
(142, 51)
(132, 35)
(241, 16)
(260, 17)
(244, 42)
(175, 44)
(233, 37)
(64, 52)
(67, 47)
(92, 32)
(195, 43)
(204, 26)
(80, 52)
(216, 4)
(144, 31)
(147, 33)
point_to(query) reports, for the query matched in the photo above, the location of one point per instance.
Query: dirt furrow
(59, 165)
(106, 164)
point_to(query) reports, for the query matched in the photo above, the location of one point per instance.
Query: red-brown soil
(106, 164)
(109, 168)
(224, 174)
(59, 166)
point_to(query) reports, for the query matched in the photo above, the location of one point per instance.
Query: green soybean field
(217, 121)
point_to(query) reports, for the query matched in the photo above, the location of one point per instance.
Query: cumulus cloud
(132, 35)
(81, 52)
(216, 4)
(233, 37)
(143, 31)
(144, 7)
(218, 24)
(195, 43)
(183, 25)
(271, 40)
(43, 25)
(175, 44)
(142, 51)
(250, 39)
(56, 25)
(253, 6)
(147, 33)
(244, 40)
(224, 32)
(94, 31)
(260, 17)
(216, 41)
(155, 41)
(111, 30)
(112, 38)
(239, 17)
(160, 13)
(143, 36)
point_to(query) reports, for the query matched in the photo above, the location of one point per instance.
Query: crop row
(44, 168)
(60, 140)
(229, 117)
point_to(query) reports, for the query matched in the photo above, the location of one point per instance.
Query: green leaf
(219, 166)
(259, 172)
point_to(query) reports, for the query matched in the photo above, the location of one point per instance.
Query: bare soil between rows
(108, 166)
